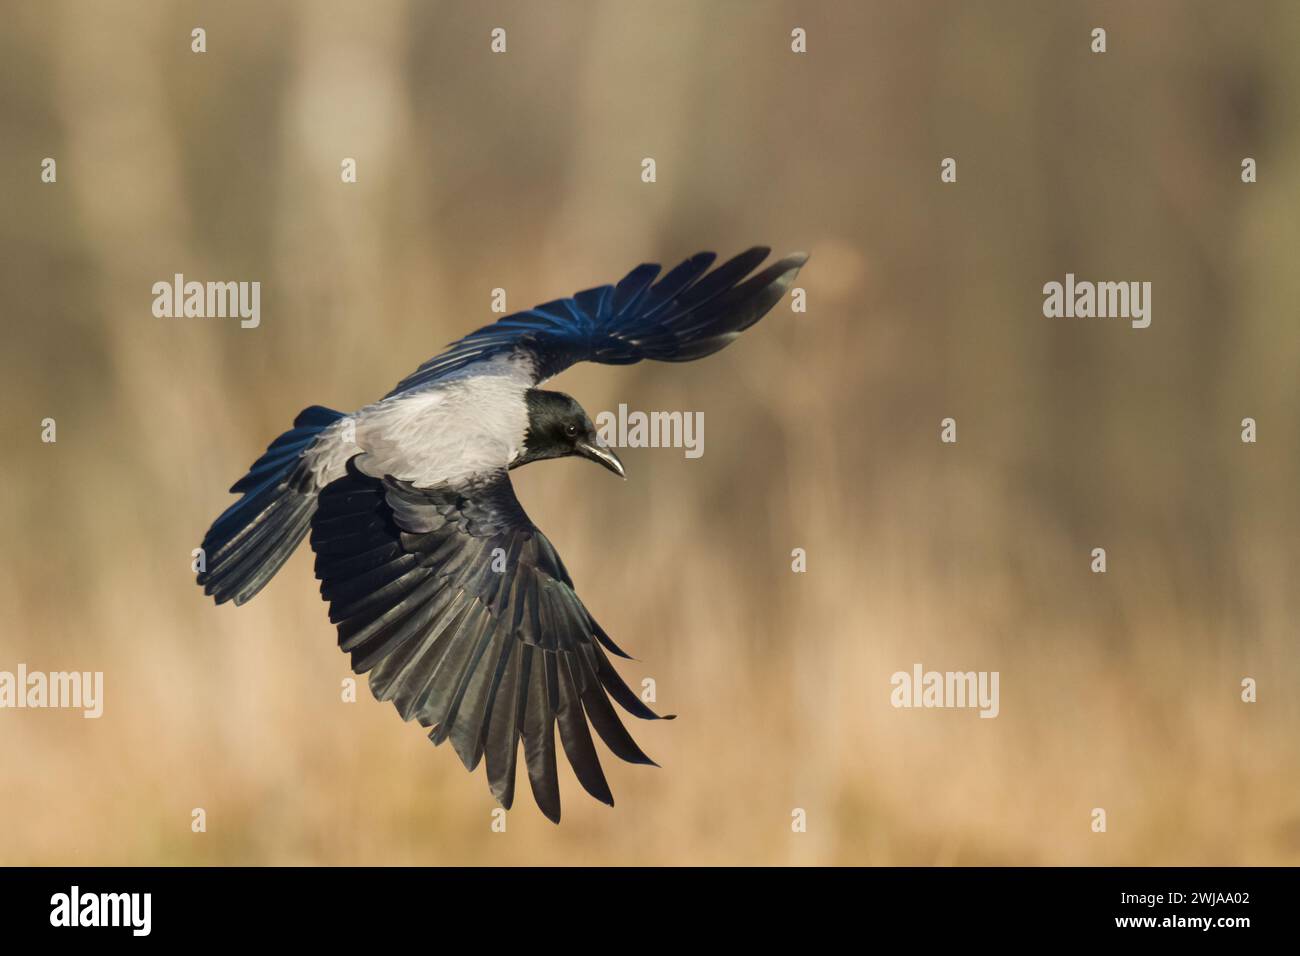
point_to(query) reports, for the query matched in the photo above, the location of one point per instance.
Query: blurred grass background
(522, 171)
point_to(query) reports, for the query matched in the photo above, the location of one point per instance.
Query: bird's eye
(571, 430)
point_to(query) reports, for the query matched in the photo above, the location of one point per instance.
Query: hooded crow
(443, 591)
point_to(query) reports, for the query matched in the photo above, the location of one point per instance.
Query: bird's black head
(558, 427)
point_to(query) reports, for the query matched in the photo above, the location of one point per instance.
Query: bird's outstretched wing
(688, 314)
(465, 618)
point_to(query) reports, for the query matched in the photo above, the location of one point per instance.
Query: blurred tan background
(522, 170)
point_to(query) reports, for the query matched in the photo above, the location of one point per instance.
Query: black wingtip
(785, 270)
(608, 642)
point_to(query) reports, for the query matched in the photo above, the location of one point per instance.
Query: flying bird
(442, 589)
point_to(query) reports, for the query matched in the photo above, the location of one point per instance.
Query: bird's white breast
(465, 426)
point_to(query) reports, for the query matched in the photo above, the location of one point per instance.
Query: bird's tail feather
(253, 538)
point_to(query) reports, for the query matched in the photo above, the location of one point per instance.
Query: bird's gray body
(444, 433)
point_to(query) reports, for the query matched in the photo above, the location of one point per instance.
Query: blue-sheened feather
(688, 314)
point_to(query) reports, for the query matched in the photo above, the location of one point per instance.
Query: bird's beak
(601, 456)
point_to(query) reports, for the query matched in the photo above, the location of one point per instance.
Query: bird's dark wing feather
(688, 314)
(483, 646)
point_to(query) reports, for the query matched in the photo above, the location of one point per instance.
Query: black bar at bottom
(214, 905)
